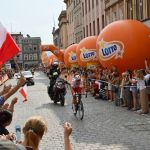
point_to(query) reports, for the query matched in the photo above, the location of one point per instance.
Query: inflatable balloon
(61, 59)
(60, 55)
(51, 59)
(49, 47)
(44, 58)
(54, 50)
(125, 44)
(86, 53)
(70, 57)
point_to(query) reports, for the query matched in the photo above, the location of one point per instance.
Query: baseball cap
(8, 145)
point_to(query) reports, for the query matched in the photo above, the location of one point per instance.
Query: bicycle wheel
(80, 110)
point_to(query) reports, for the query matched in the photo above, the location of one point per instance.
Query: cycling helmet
(78, 77)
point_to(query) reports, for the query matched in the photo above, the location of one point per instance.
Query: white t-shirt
(141, 84)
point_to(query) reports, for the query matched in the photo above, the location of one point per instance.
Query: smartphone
(18, 132)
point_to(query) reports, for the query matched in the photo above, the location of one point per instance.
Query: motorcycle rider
(53, 75)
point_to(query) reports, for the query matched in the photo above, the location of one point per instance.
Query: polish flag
(8, 47)
(23, 92)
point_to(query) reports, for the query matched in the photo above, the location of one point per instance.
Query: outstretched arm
(14, 89)
(146, 64)
(67, 132)
(5, 89)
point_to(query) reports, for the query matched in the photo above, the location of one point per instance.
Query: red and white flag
(8, 47)
(23, 92)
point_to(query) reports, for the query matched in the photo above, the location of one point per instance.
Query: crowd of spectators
(130, 89)
(33, 130)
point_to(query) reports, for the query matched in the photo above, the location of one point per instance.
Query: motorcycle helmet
(55, 63)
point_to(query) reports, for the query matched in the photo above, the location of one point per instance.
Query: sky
(33, 17)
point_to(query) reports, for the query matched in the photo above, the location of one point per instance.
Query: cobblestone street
(104, 127)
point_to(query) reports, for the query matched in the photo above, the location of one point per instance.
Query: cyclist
(76, 87)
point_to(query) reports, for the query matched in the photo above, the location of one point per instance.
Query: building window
(139, 10)
(114, 16)
(129, 10)
(87, 31)
(83, 9)
(26, 48)
(103, 21)
(85, 6)
(97, 2)
(30, 57)
(25, 56)
(94, 27)
(92, 3)
(98, 26)
(72, 17)
(89, 6)
(35, 47)
(30, 47)
(121, 8)
(148, 8)
(90, 29)
(84, 32)
(35, 57)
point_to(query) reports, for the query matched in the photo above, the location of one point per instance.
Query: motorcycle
(58, 91)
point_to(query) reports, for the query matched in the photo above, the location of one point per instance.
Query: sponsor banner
(72, 57)
(88, 54)
(109, 50)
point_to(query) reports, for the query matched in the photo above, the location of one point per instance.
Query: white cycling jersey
(76, 83)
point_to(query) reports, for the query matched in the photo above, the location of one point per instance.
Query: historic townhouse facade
(63, 29)
(70, 21)
(127, 9)
(78, 22)
(138, 9)
(88, 17)
(56, 37)
(31, 51)
(29, 55)
(18, 37)
(93, 17)
(114, 10)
